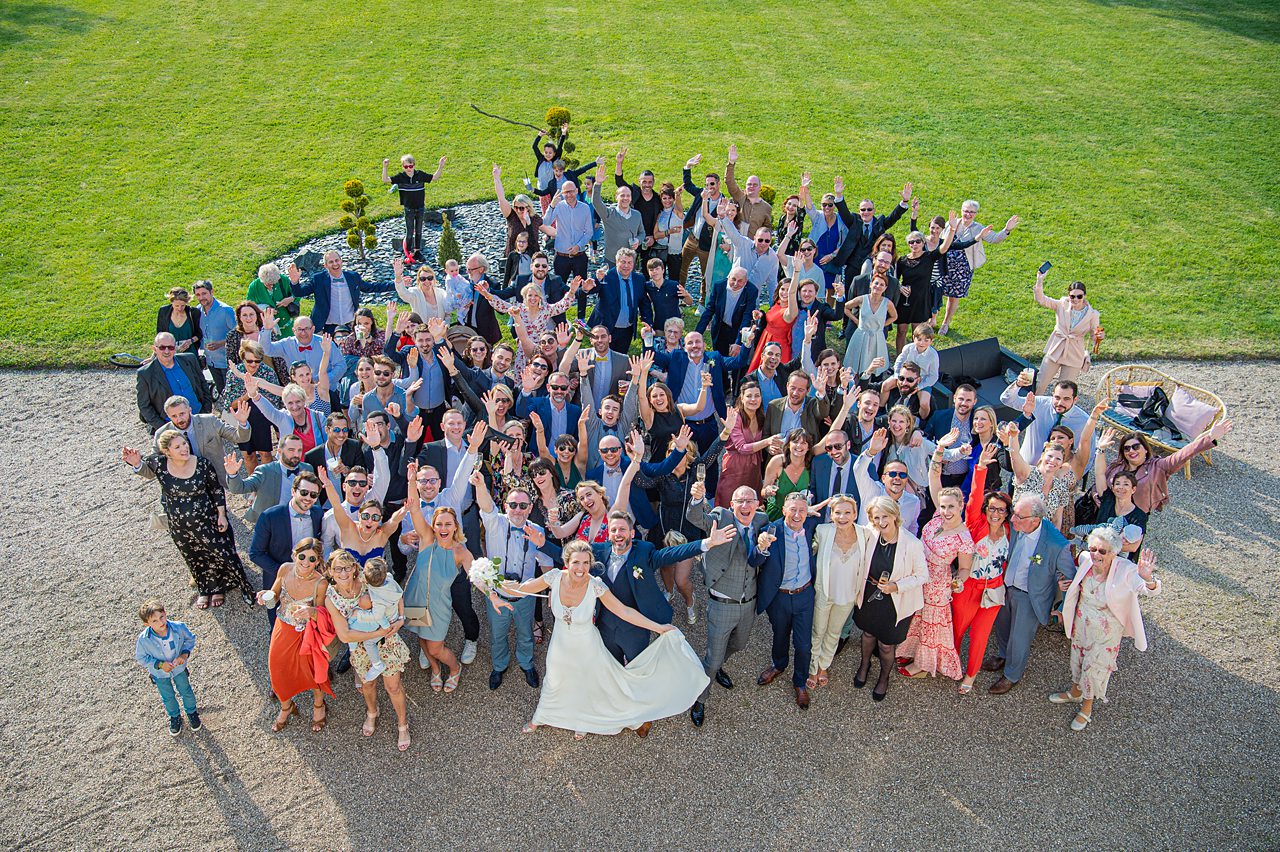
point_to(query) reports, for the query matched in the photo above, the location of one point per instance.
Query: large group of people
(598, 425)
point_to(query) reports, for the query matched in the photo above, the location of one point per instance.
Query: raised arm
(792, 310)
(426, 535)
(1021, 469)
(1041, 298)
(689, 409)
(842, 417)
(935, 463)
(504, 206)
(640, 371)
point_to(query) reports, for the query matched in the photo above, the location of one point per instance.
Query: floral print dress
(931, 639)
(1095, 643)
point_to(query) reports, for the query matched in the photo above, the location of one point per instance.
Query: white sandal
(1066, 698)
(1076, 724)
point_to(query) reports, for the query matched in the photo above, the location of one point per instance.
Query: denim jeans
(500, 626)
(413, 228)
(179, 684)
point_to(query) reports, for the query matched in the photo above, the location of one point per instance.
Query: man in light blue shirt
(216, 321)
(303, 346)
(569, 221)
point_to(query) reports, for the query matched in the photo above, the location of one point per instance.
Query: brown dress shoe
(802, 698)
(993, 664)
(1002, 686)
(768, 676)
(643, 730)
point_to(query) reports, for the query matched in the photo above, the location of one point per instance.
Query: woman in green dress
(272, 290)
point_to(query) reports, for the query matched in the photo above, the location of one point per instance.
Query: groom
(629, 567)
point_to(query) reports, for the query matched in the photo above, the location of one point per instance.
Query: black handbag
(1086, 509)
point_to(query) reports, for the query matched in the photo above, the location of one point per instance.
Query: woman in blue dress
(428, 597)
(365, 536)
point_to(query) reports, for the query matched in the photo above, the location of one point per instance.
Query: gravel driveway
(1187, 754)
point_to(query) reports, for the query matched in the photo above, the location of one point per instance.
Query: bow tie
(300, 516)
(306, 348)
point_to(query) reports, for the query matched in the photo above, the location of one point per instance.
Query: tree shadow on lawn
(21, 21)
(1256, 21)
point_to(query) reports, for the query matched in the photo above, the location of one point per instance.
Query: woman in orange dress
(293, 672)
(775, 325)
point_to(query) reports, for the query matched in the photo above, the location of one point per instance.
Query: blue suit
(272, 544)
(641, 509)
(790, 615)
(318, 289)
(609, 302)
(1025, 611)
(677, 365)
(626, 641)
(725, 330)
(542, 407)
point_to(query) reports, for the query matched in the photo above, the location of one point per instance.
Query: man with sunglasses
(205, 433)
(864, 230)
(167, 374)
(280, 528)
(757, 258)
(892, 483)
(339, 452)
(355, 487)
(412, 184)
(553, 287)
(514, 543)
(559, 416)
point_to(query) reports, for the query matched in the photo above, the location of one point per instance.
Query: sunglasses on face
(611, 449)
(165, 347)
(1075, 298)
(541, 266)
(426, 278)
(866, 209)
(1099, 550)
(253, 360)
(383, 373)
(558, 387)
(915, 242)
(518, 504)
(896, 474)
(309, 494)
(309, 558)
(826, 204)
(340, 430)
(763, 240)
(370, 516)
(358, 483)
(836, 446)
(535, 365)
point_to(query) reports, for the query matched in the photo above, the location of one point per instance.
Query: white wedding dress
(587, 690)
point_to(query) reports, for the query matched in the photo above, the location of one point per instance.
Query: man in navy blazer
(273, 535)
(732, 301)
(640, 506)
(784, 589)
(1039, 565)
(320, 287)
(619, 298)
(959, 417)
(629, 567)
(553, 286)
(695, 357)
(559, 416)
(864, 229)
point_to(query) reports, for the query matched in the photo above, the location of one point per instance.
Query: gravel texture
(1187, 754)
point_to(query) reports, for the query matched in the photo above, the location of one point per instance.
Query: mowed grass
(148, 143)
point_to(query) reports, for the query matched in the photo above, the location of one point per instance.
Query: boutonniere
(1037, 559)
(637, 572)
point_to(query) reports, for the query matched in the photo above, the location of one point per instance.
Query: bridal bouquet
(485, 575)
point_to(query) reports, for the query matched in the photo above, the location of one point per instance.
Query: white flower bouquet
(485, 575)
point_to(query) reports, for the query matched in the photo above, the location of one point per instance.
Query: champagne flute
(702, 473)
(879, 595)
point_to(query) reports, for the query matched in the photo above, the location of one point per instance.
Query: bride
(586, 690)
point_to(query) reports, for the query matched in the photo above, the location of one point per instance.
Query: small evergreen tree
(449, 247)
(556, 118)
(360, 231)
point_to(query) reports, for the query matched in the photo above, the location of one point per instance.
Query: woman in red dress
(777, 322)
(293, 672)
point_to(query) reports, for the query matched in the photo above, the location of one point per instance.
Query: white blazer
(840, 590)
(1123, 587)
(910, 572)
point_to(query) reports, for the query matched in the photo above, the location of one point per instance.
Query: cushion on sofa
(1189, 414)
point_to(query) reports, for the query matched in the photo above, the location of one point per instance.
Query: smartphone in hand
(1045, 267)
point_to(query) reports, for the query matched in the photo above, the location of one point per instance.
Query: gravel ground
(1185, 755)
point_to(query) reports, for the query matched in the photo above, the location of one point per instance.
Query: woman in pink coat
(1101, 608)
(1077, 328)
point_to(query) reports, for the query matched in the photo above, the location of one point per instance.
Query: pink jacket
(1067, 345)
(1123, 587)
(910, 572)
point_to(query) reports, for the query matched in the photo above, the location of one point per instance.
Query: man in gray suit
(1038, 555)
(206, 433)
(168, 374)
(731, 582)
(270, 483)
(608, 369)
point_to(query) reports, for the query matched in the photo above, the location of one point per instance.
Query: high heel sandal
(823, 679)
(277, 726)
(319, 717)
(437, 683)
(403, 742)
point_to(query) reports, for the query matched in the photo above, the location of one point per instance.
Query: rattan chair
(1139, 376)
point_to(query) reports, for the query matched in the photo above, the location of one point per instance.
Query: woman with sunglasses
(791, 221)
(1101, 608)
(978, 593)
(1153, 473)
(1077, 328)
(343, 587)
(563, 458)
(519, 213)
(828, 231)
(962, 263)
(366, 536)
(937, 225)
(296, 591)
(251, 360)
(915, 277)
(249, 327)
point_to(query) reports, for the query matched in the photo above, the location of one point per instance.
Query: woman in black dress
(915, 277)
(197, 508)
(890, 591)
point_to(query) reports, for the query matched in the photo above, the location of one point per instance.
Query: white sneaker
(468, 653)
(375, 670)
(691, 614)
(422, 660)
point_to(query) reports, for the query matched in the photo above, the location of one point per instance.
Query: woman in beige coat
(1077, 328)
(1101, 607)
(889, 590)
(842, 548)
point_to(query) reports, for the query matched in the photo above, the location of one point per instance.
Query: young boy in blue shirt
(163, 649)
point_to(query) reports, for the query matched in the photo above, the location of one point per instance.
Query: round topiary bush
(556, 116)
(353, 239)
(768, 193)
(346, 222)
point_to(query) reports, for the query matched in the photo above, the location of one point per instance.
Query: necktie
(866, 231)
(626, 294)
(306, 348)
(1057, 421)
(837, 487)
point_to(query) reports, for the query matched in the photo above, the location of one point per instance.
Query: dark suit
(272, 543)
(318, 288)
(661, 303)
(813, 415)
(820, 478)
(857, 245)
(153, 388)
(641, 509)
(1026, 609)
(790, 613)
(553, 290)
(626, 641)
(826, 314)
(609, 304)
(860, 285)
(542, 407)
(725, 330)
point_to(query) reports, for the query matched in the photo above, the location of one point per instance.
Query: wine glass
(879, 595)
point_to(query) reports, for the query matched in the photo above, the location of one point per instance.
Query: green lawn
(149, 143)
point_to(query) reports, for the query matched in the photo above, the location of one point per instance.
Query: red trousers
(967, 614)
